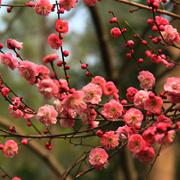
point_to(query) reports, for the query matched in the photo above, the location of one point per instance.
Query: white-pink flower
(75, 101)
(48, 87)
(133, 117)
(170, 34)
(47, 115)
(146, 79)
(172, 87)
(140, 98)
(99, 80)
(92, 93)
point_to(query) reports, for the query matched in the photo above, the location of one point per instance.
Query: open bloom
(47, 115)
(48, 87)
(92, 93)
(98, 158)
(43, 7)
(75, 101)
(170, 34)
(140, 98)
(154, 104)
(146, 80)
(135, 143)
(112, 110)
(99, 80)
(28, 70)
(172, 87)
(110, 89)
(61, 26)
(10, 148)
(133, 117)
(110, 140)
(8, 60)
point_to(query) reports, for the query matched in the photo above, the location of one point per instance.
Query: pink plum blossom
(135, 143)
(112, 110)
(170, 34)
(10, 148)
(98, 158)
(67, 4)
(92, 93)
(47, 115)
(146, 79)
(133, 118)
(153, 104)
(172, 87)
(48, 87)
(43, 7)
(28, 70)
(8, 60)
(109, 140)
(140, 98)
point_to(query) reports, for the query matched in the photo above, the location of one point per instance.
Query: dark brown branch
(103, 45)
(148, 8)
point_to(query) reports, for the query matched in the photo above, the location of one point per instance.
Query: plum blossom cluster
(169, 34)
(140, 139)
(144, 119)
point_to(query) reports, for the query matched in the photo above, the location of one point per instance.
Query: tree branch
(148, 8)
(37, 149)
(103, 45)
